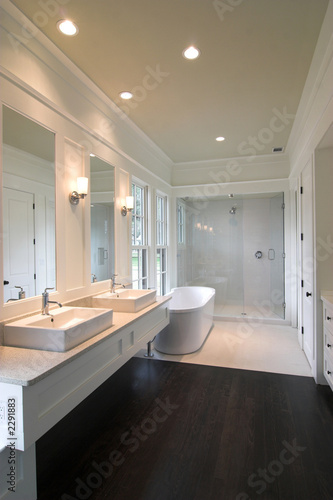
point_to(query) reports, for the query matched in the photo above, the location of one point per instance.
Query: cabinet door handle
(328, 318)
(328, 372)
(308, 294)
(329, 345)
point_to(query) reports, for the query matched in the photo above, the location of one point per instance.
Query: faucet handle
(45, 291)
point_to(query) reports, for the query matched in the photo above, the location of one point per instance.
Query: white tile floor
(237, 311)
(260, 347)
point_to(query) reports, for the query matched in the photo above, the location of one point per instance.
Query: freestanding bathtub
(191, 311)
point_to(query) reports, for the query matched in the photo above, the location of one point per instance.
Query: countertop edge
(58, 360)
(327, 297)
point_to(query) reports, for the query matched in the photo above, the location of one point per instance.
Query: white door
(18, 243)
(307, 261)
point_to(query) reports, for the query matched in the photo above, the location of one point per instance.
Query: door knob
(6, 282)
(329, 345)
(308, 294)
(328, 318)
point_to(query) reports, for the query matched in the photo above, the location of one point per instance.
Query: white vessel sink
(125, 300)
(59, 331)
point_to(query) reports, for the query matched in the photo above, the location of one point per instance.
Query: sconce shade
(129, 205)
(129, 202)
(82, 190)
(82, 185)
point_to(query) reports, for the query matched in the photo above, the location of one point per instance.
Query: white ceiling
(255, 56)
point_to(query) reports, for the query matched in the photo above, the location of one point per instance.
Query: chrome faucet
(46, 301)
(113, 284)
(21, 294)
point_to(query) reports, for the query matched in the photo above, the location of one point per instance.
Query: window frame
(140, 277)
(161, 243)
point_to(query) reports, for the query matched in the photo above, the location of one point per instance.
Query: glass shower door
(276, 256)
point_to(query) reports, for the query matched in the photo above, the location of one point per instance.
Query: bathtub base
(189, 326)
(169, 345)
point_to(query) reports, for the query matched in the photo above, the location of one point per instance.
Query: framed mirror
(29, 264)
(102, 219)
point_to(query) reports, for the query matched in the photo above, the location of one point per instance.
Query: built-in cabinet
(328, 337)
(38, 388)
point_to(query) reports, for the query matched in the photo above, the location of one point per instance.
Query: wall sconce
(82, 190)
(129, 205)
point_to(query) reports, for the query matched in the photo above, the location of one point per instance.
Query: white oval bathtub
(191, 319)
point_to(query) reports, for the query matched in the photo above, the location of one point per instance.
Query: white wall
(323, 173)
(314, 117)
(40, 82)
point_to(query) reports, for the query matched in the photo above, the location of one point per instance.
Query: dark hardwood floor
(159, 430)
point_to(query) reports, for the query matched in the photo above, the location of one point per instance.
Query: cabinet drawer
(328, 344)
(328, 318)
(328, 371)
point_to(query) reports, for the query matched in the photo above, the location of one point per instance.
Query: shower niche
(235, 245)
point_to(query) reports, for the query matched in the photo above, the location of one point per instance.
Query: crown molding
(311, 106)
(277, 158)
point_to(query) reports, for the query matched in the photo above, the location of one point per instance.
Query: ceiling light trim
(126, 95)
(67, 27)
(191, 53)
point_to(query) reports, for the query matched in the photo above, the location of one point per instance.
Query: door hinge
(34, 241)
(33, 206)
(302, 330)
(35, 277)
(301, 236)
(302, 283)
(283, 255)
(284, 305)
(283, 206)
(301, 189)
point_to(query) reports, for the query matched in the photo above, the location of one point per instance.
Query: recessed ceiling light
(126, 95)
(67, 27)
(191, 52)
(220, 139)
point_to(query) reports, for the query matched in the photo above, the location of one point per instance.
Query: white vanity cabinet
(38, 388)
(328, 337)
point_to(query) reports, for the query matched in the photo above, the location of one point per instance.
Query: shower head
(232, 210)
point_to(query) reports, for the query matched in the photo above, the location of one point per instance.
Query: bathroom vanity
(38, 388)
(327, 299)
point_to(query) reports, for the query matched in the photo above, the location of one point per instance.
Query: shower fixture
(232, 210)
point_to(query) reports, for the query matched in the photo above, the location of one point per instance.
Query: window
(139, 238)
(161, 248)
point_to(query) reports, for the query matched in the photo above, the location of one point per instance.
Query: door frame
(307, 268)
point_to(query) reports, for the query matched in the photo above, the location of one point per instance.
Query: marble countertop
(327, 296)
(27, 366)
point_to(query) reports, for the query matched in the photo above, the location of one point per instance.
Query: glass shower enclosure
(234, 244)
